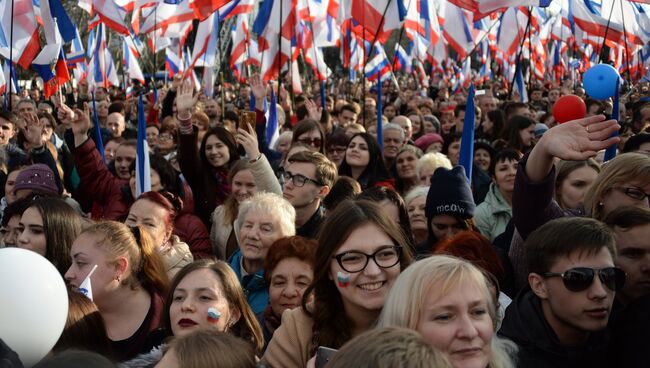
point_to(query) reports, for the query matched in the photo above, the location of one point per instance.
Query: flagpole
(627, 54)
(280, 52)
(11, 55)
(602, 46)
(521, 49)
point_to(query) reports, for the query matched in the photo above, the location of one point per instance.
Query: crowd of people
(324, 247)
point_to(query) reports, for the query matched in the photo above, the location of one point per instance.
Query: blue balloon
(600, 81)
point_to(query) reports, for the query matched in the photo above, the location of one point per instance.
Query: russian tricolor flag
(402, 60)
(51, 56)
(172, 62)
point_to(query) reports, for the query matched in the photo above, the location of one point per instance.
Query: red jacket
(114, 197)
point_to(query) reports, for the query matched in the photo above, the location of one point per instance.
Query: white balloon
(33, 304)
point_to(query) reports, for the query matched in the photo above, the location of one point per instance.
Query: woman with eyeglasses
(364, 162)
(623, 181)
(359, 256)
(310, 132)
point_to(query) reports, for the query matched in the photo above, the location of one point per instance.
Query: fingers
(589, 120)
(603, 130)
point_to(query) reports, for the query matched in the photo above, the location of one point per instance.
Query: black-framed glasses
(634, 193)
(298, 179)
(580, 278)
(314, 142)
(355, 261)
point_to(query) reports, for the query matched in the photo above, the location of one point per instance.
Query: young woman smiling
(359, 256)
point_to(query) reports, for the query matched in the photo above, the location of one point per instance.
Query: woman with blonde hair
(127, 284)
(450, 302)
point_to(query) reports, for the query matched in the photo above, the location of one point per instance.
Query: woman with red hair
(155, 212)
(477, 249)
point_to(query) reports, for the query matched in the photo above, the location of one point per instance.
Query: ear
(538, 285)
(324, 190)
(121, 266)
(235, 315)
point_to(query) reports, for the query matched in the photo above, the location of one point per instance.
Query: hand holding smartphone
(247, 120)
(323, 355)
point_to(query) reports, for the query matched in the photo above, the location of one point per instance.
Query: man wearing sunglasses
(308, 178)
(560, 320)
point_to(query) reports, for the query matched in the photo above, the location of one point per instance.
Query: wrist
(257, 158)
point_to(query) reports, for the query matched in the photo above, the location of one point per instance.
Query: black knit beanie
(450, 194)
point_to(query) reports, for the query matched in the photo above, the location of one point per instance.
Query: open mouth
(371, 286)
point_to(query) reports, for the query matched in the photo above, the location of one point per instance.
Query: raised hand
(33, 130)
(313, 110)
(185, 99)
(81, 125)
(579, 139)
(65, 113)
(247, 138)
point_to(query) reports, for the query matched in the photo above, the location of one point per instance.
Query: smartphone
(323, 355)
(247, 120)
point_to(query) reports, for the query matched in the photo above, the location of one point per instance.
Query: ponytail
(145, 264)
(151, 270)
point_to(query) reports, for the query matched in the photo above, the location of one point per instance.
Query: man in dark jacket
(560, 320)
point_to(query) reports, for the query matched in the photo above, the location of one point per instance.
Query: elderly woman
(404, 168)
(262, 219)
(415, 201)
(289, 266)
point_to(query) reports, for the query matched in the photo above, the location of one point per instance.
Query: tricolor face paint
(343, 278)
(213, 315)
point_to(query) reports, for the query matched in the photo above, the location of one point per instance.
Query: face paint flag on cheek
(343, 278)
(213, 315)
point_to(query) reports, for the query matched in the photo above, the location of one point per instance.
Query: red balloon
(569, 107)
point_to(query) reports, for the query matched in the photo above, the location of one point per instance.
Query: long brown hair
(332, 327)
(231, 206)
(247, 326)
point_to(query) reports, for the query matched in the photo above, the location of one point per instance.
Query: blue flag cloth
(467, 140)
(610, 153)
(143, 168)
(98, 130)
(272, 124)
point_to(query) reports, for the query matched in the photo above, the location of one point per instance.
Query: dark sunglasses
(580, 278)
(314, 142)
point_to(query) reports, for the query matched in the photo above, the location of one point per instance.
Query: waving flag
(402, 60)
(379, 66)
(457, 30)
(25, 42)
(206, 40)
(520, 86)
(373, 19)
(130, 60)
(240, 46)
(109, 14)
(51, 56)
(483, 8)
(56, 21)
(172, 62)
(204, 8)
